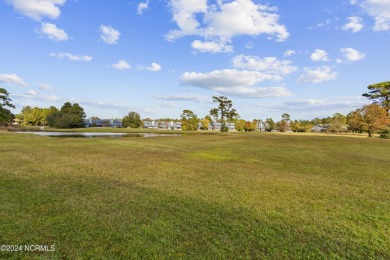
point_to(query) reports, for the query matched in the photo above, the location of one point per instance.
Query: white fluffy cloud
(52, 32)
(224, 20)
(154, 67)
(12, 79)
(269, 65)
(351, 54)
(224, 78)
(142, 7)
(355, 24)
(121, 65)
(317, 75)
(71, 57)
(109, 35)
(36, 9)
(211, 46)
(319, 55)
(289, 53)
(234, 82)
(379, 10)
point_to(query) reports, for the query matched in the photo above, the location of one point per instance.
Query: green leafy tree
(224, 111)
(270, 124)
(37, 116)
(205, 123)
(316, 121)
(46, 112)
(133, 120)
(239, 124)
(209, 118)
(189, 121)
(380, 93)
(286, 117)
(25, 115)
(78, 116)
(70, 116)
(301, 125)
(5, 101)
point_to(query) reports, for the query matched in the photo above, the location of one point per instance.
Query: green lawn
(241, 195)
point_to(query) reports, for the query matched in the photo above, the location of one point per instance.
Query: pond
(92, 134)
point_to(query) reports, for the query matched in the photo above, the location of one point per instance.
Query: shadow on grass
(102, 218)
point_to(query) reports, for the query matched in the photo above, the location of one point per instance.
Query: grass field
(197, 196)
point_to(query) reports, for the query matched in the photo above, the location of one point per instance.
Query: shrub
(385, 134)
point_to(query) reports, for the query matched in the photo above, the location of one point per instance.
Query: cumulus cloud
(319, 55)
(121, 65)
(12, 79)
(351, 54)
(355, 24)
(142, 7)
(269, 65)
(109, 35)
(234, 82)
(37, 9)
(289, 53)
(52, 32)
(224, 20)
(153, 67)
(377, 9)
(71, 57)
(211, 46)
(317, 75)
(224, 78)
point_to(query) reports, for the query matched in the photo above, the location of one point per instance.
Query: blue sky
(310, 58)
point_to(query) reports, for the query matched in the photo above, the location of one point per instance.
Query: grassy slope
(200, 196)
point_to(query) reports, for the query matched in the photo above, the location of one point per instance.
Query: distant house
(320, 128)
(262, 126)
(103, 123)
(150, 125)
(217, 126)
(162, 125)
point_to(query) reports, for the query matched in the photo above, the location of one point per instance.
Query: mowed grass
(198, 196)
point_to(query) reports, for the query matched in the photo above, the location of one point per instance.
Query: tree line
(68, 116)
(371, 118)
